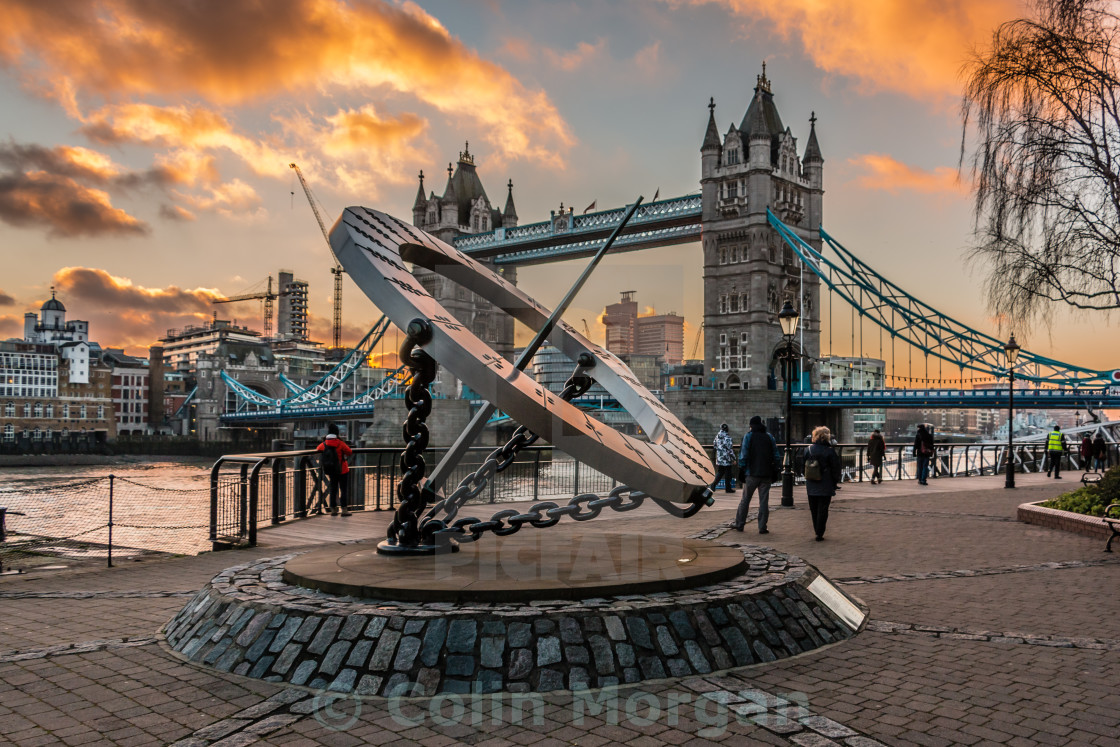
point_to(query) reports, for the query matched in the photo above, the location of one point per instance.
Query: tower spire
(711, 135)
(510, 213)
(812, 148)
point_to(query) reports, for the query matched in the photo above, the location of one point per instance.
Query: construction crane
(696, 342)
(336, 322)
(267, 296)
(586, 329)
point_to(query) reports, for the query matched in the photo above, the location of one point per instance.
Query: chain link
(158, 489)
(53, 488)
(405, 527)
(498, 460)
(542, 515)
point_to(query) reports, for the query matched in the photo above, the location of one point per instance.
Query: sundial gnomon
(669, 468)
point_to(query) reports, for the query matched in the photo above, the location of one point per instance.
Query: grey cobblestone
(722, 625)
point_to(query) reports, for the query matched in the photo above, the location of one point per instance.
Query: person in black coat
(822, 487)
(924, 451)
(1100, 452)
(876, 451)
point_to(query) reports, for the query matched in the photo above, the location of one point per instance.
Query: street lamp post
(1012, 351)
(788, 317)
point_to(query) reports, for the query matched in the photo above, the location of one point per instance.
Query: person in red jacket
(335, 468)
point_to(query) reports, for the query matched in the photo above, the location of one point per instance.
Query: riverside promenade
(983, 630)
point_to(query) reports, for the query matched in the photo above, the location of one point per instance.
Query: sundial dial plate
(375, 249)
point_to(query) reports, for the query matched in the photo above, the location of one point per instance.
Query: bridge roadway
(1037, 399)
(1043, 399)
(570, 236)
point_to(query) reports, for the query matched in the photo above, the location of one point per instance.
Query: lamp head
(788, 316)
(1012, 350)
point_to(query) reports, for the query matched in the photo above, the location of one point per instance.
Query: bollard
(111, 479)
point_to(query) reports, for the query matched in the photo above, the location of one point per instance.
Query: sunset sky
(145, 149)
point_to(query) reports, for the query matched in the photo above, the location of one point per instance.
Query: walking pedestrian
(923, 450)
(1100, 451)
(1055, 448)
(760, 462)
(725, 457)
(1086, 452)
(822, 475)
(335, 467)
(876, 451)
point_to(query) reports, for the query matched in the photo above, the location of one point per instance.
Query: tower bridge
(758, 217)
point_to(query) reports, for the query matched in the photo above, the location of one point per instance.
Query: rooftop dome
(52, 305)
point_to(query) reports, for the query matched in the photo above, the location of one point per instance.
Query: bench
(1112, 520)
(1091, 478)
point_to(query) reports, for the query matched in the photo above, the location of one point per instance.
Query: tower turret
(449, 203)
(813, 164)
(509, 215)
(709, 163)
(420, 206)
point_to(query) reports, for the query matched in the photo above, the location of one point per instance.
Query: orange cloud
(886, 173)
(913, 47)
(232, 53)
(189, 129)
(123, 314)
(235, 199)
(358, 130)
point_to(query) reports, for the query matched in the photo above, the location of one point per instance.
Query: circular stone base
(521, 567)
(248, 621)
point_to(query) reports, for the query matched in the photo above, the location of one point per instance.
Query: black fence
(251, 490)
(953, 460)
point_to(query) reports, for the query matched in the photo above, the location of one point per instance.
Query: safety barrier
(248, 491)
(75, 522)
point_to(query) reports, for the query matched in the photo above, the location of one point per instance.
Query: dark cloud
(11, 326)
(64, 189)
(122, 314)
(63, 206)
(6, 300)
(84, 165)
(175, 212)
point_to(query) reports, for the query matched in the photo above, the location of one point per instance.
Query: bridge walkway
(372, 524)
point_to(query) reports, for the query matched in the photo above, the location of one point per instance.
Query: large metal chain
(540, 516)
(499, 459)
(405, 527)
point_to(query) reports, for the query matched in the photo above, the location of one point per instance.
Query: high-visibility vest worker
(1055, 442)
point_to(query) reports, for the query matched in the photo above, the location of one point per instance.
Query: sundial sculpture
(373, 591)
(670, 468)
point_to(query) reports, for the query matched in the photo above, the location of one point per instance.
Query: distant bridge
(571, 236)
(1037, 399)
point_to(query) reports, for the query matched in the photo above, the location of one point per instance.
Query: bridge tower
(462, 209)
(748, 271)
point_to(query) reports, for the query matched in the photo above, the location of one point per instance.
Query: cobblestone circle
(249, 622)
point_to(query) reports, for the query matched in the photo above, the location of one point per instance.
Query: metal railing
(248, 491)
(949, 460)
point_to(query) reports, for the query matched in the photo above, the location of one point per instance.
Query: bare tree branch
(1042, 104)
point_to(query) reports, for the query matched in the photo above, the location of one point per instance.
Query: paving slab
(982, 630)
